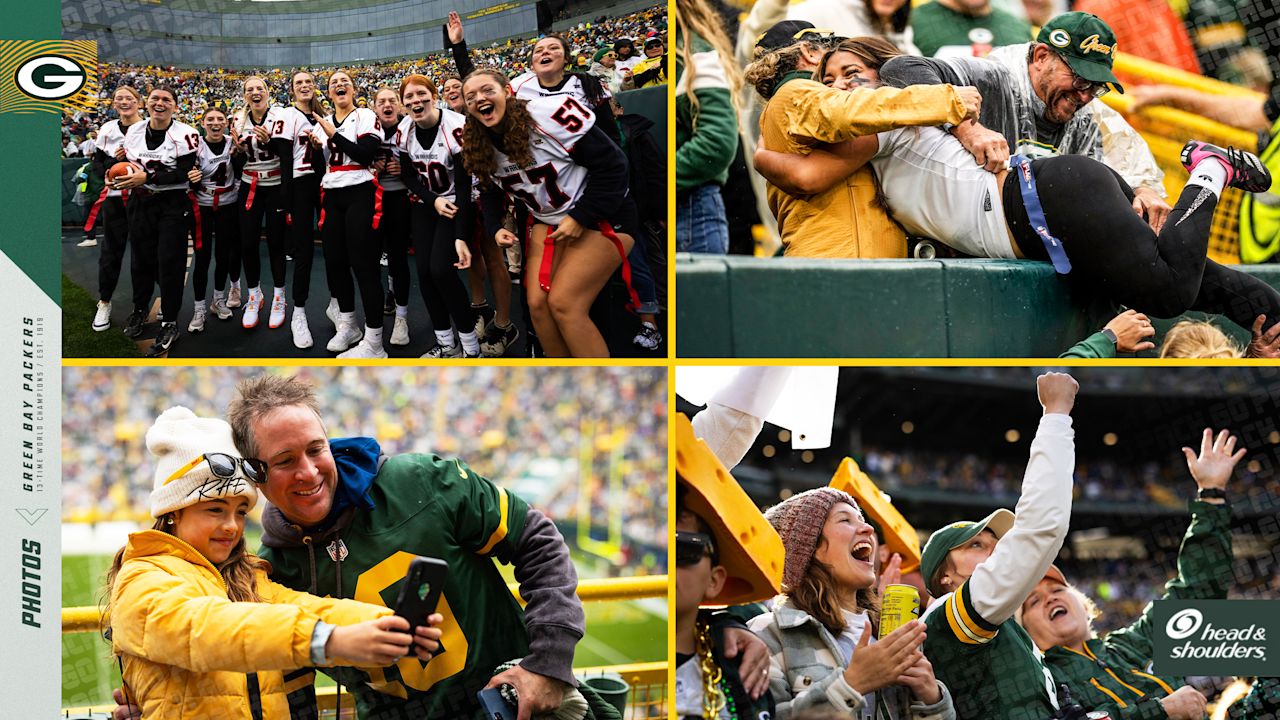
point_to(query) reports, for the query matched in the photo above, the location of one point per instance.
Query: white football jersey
(341, 171)
(217, 175)
(261, 157)
(180, 139)
(299, 128)
(391, 182)
(435, 163)
(553, 182)
(110, 139)
(526, 87)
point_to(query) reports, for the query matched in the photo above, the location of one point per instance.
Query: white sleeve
(1000, 584)
(1126, 152)
(887, 142)
(735, 414)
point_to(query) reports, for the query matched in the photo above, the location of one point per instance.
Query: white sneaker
(219, 306)
(197, 319)
(348, 334)
(233, 295)
(301, 332)
(87, 243)
(400, 333)
(250, 319)
(277, 311)
(332, 311)
(364, 350)
(102, 318)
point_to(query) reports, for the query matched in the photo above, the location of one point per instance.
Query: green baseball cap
(946, 539)
(1086, 43)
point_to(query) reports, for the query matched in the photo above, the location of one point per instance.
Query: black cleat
(133, 328)
(164, 341)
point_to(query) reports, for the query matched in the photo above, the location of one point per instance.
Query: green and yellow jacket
(1112, 674)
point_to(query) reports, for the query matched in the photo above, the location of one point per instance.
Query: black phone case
(421, 591)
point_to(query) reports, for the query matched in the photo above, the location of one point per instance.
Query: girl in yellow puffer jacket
(200, 629)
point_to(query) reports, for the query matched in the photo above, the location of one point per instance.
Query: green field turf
(617, 632)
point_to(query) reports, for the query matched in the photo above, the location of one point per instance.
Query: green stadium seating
(789, 307)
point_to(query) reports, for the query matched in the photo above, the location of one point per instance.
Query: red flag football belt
(97, 205)
(253, 184)
(377, 197)
(195, 209)
(548, 253)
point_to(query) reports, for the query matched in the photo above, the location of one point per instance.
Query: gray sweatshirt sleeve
(992, 79)
(549, 583)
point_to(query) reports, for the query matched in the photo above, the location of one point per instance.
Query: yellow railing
(85, 619)
(647, 697)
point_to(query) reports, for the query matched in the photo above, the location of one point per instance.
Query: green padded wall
(783, 307)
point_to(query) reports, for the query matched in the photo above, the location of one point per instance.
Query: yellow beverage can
(899, 606)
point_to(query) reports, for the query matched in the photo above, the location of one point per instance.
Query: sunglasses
(1096, 89)
(692, 547)
(224, 466)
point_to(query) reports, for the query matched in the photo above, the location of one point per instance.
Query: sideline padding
(788, 307)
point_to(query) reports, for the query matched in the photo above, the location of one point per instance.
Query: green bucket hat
(953, 536)
(1086, 43)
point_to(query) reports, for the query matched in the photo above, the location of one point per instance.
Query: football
(119, 170)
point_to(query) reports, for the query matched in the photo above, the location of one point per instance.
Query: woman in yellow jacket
(200, 629)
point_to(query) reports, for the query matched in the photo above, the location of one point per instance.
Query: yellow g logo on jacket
(48, 75)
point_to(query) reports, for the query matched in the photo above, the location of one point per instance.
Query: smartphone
(495, 706)
(423, 584)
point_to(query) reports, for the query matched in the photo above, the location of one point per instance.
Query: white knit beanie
(179, 437)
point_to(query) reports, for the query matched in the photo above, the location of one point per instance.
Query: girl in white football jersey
(549, 75)
(217, 222)
(303, 198)
(261, 131)
(430, 147)
(165, 149)
(111, 203)
(350, 199)
(393, 232)
(573, 179)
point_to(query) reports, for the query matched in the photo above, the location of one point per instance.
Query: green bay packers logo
(50, 77)
(1060, 38)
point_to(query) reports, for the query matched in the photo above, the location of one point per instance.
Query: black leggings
(266, 202)
(394, 235)
(303, 202)
(158, 248)
(348, 248)
(115, 240)
(219, 243)
(1115, 252)
(442, 289)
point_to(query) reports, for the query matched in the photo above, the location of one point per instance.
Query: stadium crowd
(198, 88)
(269, 147)
(797, 106)
(1109, 481)
(481, 413)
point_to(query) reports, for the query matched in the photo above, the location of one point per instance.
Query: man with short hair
(980, 572)
(346, 520)
(1038, 98)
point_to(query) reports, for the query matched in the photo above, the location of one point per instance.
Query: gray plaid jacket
(807, 670)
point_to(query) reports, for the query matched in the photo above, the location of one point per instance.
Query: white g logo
(1183, 624)
(50, 77)
(1060, 38)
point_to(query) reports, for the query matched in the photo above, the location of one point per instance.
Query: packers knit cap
(946, 539)
(177, 439)
(799, 521)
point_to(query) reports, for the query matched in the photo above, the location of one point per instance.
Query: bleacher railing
(648, 681)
